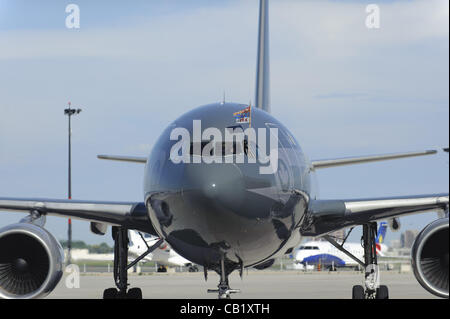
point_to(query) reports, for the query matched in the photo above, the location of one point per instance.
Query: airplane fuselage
(228, 210)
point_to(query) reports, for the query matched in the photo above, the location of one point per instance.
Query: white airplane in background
(164, 255)
(324, 253)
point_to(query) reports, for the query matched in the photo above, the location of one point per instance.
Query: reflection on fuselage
(210, 211)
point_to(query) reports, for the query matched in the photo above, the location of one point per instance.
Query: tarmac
(254, 285)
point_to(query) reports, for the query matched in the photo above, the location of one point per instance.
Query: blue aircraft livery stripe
(324, 260)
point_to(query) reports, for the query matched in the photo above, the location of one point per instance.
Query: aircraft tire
(383, 292)
(134, 293)
(110, 293)
(193, 269)
(162, 269)
(358, 292)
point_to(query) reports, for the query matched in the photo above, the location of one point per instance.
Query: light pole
(69, 112)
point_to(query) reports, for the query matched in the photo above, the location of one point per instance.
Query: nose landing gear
(224, 289)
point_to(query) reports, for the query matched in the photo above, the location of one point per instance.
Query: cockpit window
(198, 149)
(309, 248)
(227, 148)
(239, 146)
(285, 139)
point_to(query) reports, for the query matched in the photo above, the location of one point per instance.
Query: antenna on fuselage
(262, 96)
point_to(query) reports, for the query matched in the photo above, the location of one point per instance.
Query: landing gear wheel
(110, 293)
(383, 292)
(193, 269)
(162, 269)
(134, 293)
(224, 296)
(358, 292)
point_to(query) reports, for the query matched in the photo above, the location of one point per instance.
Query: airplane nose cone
(222, 184)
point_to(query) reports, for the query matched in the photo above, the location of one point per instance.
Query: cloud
(322, 25)
(340, 88)
(335, 29)
(322, 56)
(341, 95)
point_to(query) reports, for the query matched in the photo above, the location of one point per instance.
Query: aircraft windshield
(309, 248)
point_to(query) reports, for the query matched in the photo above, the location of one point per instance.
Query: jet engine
(430, 257)
(31, 261)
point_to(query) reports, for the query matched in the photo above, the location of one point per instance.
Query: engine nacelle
(31, 261)
(430, 257)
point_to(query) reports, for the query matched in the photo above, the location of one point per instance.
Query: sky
(341, 88)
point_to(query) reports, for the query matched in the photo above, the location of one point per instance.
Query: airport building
(407, 238)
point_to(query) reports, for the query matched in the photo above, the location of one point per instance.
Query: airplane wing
(326, 216)
(318, 164)
(131, 215)
(131, 159)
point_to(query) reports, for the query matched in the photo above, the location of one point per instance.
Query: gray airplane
(220, 207)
